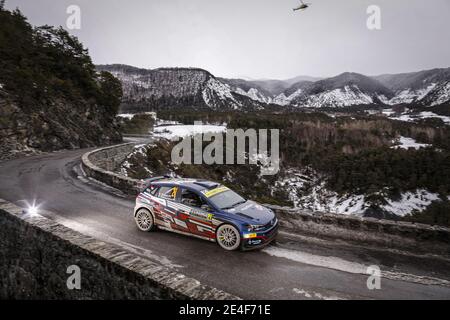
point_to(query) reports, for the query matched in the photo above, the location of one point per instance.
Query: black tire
(144, 220)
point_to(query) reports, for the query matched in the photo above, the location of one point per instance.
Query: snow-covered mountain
(262, 91)
(176, 88)
(428, 88)
(346, 89)
(199, 89)
(277, 92)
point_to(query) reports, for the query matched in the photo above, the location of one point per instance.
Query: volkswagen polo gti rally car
(206, 210)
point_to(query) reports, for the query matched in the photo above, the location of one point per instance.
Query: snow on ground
(262, 160)
(408, 95)
(139, 150)
(422, 115)
(323, 200)
(292, 184)
(388, 112)
(443, 94)
(409, 201)
(407, 143)
(131, 115)
(309, 192)
(254, 94)
(383, 98)
(220, 90)
(281, 99)
(126, 115)
(162, 122)
(428, 114)
(349, 95)
(124, 168)
(317, 197)
(409, 117)
(169, 132)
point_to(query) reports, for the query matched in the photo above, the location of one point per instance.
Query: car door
(199, 219)
(168, 212)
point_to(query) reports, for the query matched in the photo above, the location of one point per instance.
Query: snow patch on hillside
(169, 132)
(281, 100)
(409, 201)
(216, 88)
(383, 99)
(163, 122)
(254, 94)
(407, 143)
(324, 200)
(308, 191)
(128, 116)
(408, 95)
(412, 117)
(348, 96)
(442, 94)
(139, 151)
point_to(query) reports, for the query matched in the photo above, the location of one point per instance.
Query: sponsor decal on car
(198, 213)
(250, 235)
(213, 192)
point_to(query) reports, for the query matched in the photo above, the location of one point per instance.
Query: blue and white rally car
(206, 210)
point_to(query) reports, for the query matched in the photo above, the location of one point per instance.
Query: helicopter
(303, 6)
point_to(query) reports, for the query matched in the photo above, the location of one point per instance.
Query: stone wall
(35, 253)
(109, 158)
(413, 237)
(99, 165)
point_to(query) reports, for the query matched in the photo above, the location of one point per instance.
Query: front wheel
(144, 220)
(228, 237)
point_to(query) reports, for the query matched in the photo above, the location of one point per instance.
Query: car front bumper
(261, 240)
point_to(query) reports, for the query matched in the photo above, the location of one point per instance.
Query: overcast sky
(257, 38)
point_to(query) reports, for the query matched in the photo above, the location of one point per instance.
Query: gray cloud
(258, 38)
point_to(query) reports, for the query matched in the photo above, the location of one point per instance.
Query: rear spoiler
(143, 184)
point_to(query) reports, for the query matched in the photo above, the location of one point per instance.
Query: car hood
(253, 212)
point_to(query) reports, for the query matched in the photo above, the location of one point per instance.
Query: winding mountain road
(294, 268)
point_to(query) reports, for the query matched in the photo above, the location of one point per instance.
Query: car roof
(194, 184)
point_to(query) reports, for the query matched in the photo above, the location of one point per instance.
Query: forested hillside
(51, 96)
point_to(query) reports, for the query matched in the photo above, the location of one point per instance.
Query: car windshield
(226, 200)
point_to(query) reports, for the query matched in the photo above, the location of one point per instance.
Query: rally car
(206, 210)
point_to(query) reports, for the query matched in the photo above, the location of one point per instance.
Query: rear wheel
(144, 220)
(228, 237)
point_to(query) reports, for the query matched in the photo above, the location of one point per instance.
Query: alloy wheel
(228, 237)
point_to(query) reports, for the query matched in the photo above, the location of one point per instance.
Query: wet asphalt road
(292, 269)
